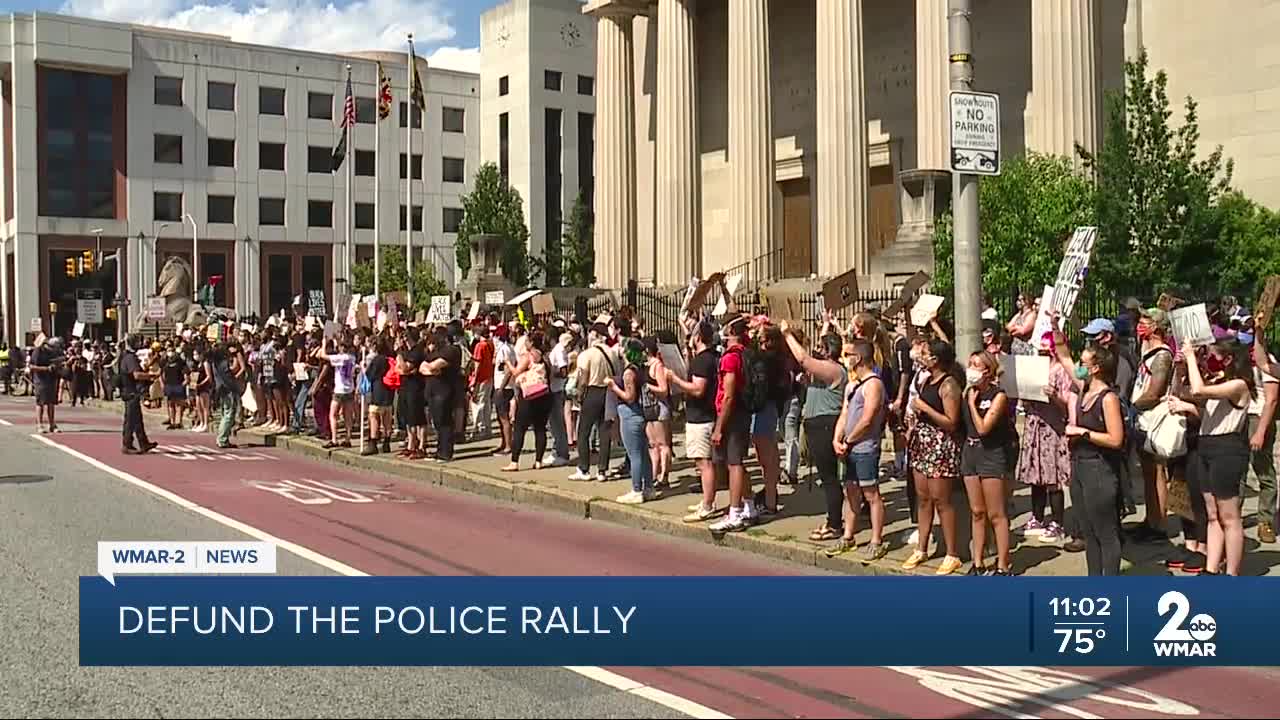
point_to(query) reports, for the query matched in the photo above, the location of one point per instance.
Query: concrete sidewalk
(784, 537)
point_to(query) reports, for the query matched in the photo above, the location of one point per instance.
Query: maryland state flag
(416, 95)
(384, 94)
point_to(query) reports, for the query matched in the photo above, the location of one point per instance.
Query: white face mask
(973, 376)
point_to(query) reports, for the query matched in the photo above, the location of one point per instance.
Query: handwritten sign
(309, 324)
(78, 329)
(926, 309)
(1168, 302)
(353, 308)
(439, 312)
(494, 297)
(1071, 276)
(1025, 376)
(674, 360)
(698, 297)
(840, 291)
(544, 304)
(1044, 322)
(909, 290)
(1191, 325)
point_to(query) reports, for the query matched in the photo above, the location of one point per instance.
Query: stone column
(751, 153)
(932, 86)
(1064, 76)
(1133, 29)
(615, 161)
(679, 186)
(842, 139)
(644, 31)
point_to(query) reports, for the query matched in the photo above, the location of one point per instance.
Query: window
(454, 119)
(586, 158)
(319, 159)
(504, 146)
(320, 213)
(270, 211)
(417, 167)
(169, 149)
(168, 206)
(417, 218)
(404, 112)
(452, 219)
(222, 152)
(366, 110)
(319, 106)
(586, 85)
(222, 96)
(270, 101)
(366, 163)
(551, 79)
(504, 85)
(222, 209)
(455, 170)
(270, 156)
(76, 152)
(364, 216)
(169, 91)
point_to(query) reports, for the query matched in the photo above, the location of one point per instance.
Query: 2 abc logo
(1178, 638)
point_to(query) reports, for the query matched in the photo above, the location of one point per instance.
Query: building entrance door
(797, 228)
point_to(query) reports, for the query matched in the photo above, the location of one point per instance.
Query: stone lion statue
(175, 286)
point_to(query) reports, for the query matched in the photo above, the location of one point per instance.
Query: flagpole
(377, 160)
(408, 165)
(351, 208)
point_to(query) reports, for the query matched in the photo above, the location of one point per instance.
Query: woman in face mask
(1220, 395)
(1044, 461)
(935, 453)
(1096, 438)
(984, 463)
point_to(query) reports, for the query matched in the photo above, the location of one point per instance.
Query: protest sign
(696, 300)
(913, 286)
(1025, 376)
(439, 312)
(353, 308)
(726, 303)
(840, 291)
(494, 297)
(330, 329)
(309, 323)
(88, 355)
(926, 309)
(783, 304)
(1191, 325)
(393, 316)
(1044, 322)
(78, 329)
(1168, 302)
(1071, 275)
(316, 303)
(544, 304)
(1263, 310)
(523, 297)
(394, 298)
(475, 311)
(420, 317)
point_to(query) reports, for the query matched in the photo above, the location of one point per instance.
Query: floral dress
(933, 452)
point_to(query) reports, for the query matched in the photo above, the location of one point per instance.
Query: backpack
(757, 384)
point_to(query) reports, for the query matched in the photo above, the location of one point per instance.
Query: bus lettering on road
(311, 492)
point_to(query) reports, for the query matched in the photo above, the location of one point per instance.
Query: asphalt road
(57, 501)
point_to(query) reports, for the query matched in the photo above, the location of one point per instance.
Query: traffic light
(111, 313)
(86, 264)
(71, 267)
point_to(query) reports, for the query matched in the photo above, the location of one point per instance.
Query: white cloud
(305, 24)
(456, 58)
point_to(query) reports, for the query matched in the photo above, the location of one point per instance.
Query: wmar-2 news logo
(1177, 640)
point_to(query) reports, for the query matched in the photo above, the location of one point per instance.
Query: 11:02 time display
(1083, 607)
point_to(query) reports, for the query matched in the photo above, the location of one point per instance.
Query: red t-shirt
(730, 362)
(483, 370)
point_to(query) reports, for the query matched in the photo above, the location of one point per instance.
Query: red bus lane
(386, 526)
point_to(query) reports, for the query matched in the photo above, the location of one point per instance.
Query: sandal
(823, 534)
(329, 445)
(513, 467)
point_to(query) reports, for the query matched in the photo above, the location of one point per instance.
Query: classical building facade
(785, 137)
(129, 130)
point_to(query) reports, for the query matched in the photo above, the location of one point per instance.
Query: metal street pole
(964, 197)
(195, 259)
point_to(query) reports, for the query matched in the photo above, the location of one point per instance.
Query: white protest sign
(1025, 376)
(439, 312)
(309, 323)
(1191, 325)
(78, 329)
(926, 309)
(1043, 324)
(1072, 272)
(494, 297)
(731, 285)
(181, 558)
(475, 311)
(352, 308)
(87, 355)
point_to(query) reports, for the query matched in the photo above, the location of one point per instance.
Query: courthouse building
(143, 132)
(789, 137)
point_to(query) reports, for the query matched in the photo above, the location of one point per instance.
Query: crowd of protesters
(1131, 408)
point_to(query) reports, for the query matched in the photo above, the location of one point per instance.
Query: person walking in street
(45, 366)
(173, 373)
(935, 453)
(229, 374)
(627, 387)
(134, 382)
(856, 441)
(990, 438)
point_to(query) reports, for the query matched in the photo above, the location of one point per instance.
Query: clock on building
(571, 35)
(503, 36)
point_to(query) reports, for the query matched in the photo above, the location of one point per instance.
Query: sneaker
(1033, 528)
(950, 564)
(913, 538)
(1178, 559)
(874, 552)
(1001, 573)
(1074, 545)
(601, 477)
(652, 495)
(914, 561)
(732, 523)
(1266, 532)
(148, 447)
(698, 513)
(1053, 533)
(631, 498)
(556, 462)
(976, 571)
(1195, 563)
(548, 459)
(579, 476)
(842, 546)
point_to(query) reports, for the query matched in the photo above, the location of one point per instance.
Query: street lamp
(195, 257)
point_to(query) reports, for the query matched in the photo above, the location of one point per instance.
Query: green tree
(1248, 248)
(578, 254)
(1156, 203)
(1027, 214)
(425, 282)
(496, 208)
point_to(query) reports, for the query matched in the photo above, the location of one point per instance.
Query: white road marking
(599, 674)
(5, 423)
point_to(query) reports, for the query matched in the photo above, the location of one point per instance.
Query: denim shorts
(862, 468)
(765, 422)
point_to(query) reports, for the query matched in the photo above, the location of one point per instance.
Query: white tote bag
(248, 401)
(1166, 432)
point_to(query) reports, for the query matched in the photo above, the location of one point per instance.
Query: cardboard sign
(544, 304)
(1263, 310)
(330, 329)
(926, 309)
(913, 286)
(523, 297)
(439, 312)
(698, 298)
(494, 297)
(301, 371)
(211, 332)
(840, 291)
(1168, 302)
(393, 298)
(78, 329)
(726, 304)
(1191, 325)
(1025, 376)
(674, 360)
(783, 305)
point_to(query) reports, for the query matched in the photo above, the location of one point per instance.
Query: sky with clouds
(447, 32)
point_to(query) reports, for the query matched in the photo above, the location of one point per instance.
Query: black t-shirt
(703, 409)
(999, 436)
(45, 357)
(175, 370)
(411, 384)
(445, 381)
(129, 387)
(906, 368)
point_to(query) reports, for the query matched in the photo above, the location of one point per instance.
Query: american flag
(349, 108)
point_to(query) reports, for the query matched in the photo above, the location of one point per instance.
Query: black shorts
(987, 462)
(502, 401)
(1222, 464)
(46, 392)
(735, 442)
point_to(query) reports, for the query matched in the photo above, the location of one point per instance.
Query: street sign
(89, 306)
(36, 325)
(975, 133)
(156, 310)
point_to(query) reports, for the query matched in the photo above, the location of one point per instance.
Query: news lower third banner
(651, 621)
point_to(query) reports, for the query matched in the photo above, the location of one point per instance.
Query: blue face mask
(1244, 337)
(1082, 372)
